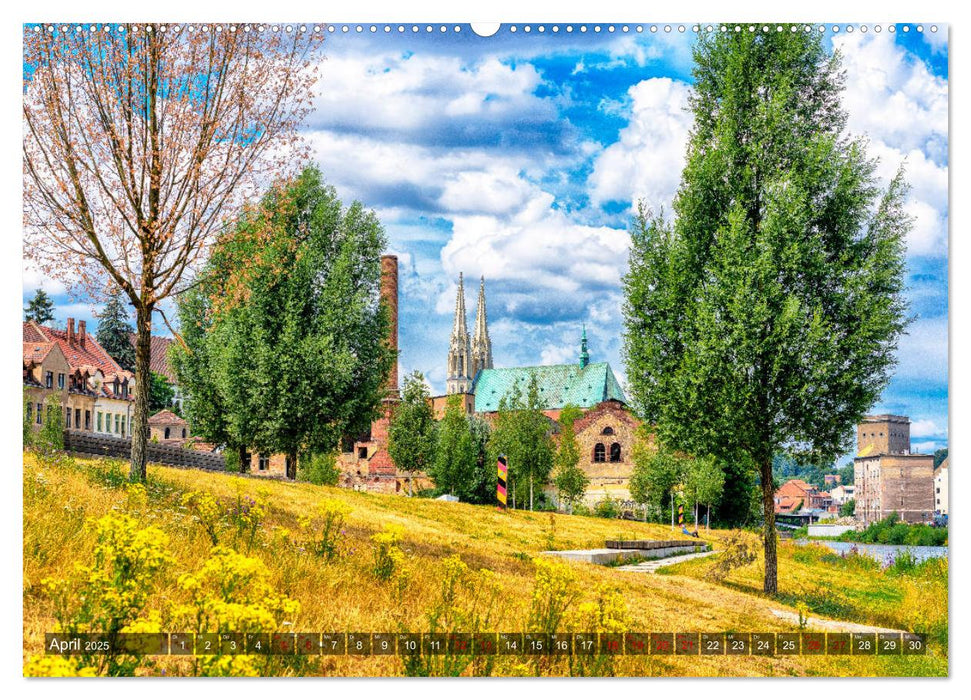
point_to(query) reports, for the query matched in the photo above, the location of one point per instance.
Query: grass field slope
(211, 553)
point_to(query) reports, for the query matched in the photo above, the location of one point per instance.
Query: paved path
(649, 567)
(830, 625)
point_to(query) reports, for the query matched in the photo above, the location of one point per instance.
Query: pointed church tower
(458, 379)
(481, 344)
(584, 355)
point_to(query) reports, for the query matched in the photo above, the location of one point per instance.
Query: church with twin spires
(471, 374)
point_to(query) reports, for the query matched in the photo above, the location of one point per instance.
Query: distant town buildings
(842, 494)
(889, 478)
(796, 495)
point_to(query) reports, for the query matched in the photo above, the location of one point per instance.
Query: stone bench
(653, 544)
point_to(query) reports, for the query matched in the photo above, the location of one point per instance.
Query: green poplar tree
(411, 436)
(522, 433)
(40, 308)
(454, 465)
(114, 332)
(571, 482)
(765, 317)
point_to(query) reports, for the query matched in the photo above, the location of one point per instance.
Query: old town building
(889, 478)
(69, 369)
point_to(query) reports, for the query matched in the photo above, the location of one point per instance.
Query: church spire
(481, 344)
(584, 355)
(458, 380)
(458, 326)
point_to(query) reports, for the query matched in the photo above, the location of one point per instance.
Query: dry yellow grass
(344, 595)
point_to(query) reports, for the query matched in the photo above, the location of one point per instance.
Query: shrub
(109, 596)
(388, 556)
(48, 666)
(739, 551)
(232, 593)
(51, 436)
(607, 613)
(607, 508)
(319, 469)
(239, 517)
(554, 591)
(325, 529)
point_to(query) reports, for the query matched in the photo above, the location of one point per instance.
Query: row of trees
(460, 451)
(662, 478)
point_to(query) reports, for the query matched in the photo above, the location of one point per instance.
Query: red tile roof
(166, 417)
(159, 357)
(36, 351)
(91, 354)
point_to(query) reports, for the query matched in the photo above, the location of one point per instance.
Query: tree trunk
(410, 479)
(143, 383)
(696, 516)
(530, 492)
(672, 510)
(708, 517)
(292, 465)
(771, 583)
(243, 459)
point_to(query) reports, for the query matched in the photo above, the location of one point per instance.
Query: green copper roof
(559, 385)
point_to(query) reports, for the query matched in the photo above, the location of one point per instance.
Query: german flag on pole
(501, 484)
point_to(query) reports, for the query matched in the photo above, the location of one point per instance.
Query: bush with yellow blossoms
(388, 557)
(607, 613)
(232, 593)
(236, 519)
(51, 666)
(324, 531)
(109, 596)
(554, 591)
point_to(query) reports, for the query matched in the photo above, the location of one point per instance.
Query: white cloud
(923, 351)
(937, 40)
(895, 100)
(34, 279)
(646, 162)
(409, 92)
(926, 428)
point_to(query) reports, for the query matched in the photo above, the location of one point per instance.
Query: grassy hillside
(294, 557)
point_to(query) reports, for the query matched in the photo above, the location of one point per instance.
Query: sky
(520, 157)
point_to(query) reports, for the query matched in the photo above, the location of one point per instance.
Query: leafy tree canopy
(764, 317)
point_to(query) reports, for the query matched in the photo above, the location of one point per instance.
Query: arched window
(166, 433)
(615, 452)
(607, 431)
(599, 453)
(183, 432)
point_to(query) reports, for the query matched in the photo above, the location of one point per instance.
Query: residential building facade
(68, 368)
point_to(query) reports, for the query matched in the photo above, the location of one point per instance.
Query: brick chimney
(389, 297)
(70, 331)
(82, 332)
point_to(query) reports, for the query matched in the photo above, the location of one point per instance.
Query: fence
(107, 446)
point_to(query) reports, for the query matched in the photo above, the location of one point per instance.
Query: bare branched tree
(140, 141)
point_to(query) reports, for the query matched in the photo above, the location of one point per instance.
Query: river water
(884, 553)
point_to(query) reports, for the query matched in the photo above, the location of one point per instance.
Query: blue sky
(519, 157)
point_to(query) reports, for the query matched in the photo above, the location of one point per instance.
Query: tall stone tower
(481, 344)
(458, 379)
